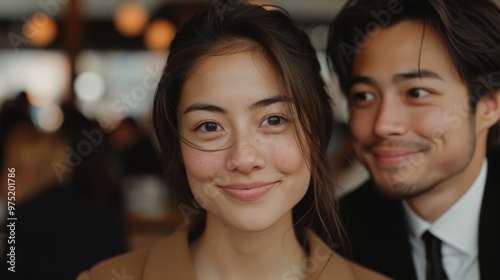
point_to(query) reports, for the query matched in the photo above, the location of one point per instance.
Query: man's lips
(248, 192)
(393, 157)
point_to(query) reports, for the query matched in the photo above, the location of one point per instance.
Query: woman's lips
(248, 192)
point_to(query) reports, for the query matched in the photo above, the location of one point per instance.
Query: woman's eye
(418, 93)
(361, 98)
(273, 121)
(209, 127)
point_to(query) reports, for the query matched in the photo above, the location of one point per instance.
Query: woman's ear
(488, 110)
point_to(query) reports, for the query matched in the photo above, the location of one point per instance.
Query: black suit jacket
(377, 231)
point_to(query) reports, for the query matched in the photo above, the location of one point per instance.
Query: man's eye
(273, 121)
(418, 93)
(209, 127)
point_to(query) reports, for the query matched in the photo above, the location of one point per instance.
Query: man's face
(409, 115)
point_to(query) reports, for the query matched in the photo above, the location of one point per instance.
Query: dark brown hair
(469, 29)
(233, 26)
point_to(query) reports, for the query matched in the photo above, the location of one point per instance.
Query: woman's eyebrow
(204, 107)
(216, 109)
(268, 101)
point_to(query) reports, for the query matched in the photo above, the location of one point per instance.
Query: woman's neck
(223, 252)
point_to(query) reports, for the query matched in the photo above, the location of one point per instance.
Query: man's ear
(488, 110)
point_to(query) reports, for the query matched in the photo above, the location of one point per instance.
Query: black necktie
(434, 269)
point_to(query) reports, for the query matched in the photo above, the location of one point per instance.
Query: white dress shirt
(458, 230)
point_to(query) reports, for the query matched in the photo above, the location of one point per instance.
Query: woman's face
(232, 104)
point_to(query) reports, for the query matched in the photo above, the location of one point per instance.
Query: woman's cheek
(287, 156)
(199, 165)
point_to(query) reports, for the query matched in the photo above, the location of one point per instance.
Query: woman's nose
(245, 155)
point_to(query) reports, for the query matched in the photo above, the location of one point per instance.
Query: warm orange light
(40, 29)
(130, 19)
(159, 35)
(263, 3)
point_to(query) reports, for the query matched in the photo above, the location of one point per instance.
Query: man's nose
(391, 118)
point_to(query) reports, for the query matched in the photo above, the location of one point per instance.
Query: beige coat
(170, 259)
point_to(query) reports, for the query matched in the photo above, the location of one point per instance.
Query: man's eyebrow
(204, 107)
(396, 79)
(415, 75)
(268, 101)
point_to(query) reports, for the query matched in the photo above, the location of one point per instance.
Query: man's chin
(398, 188)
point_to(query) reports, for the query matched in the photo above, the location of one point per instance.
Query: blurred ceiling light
(89, 86)
(49, 118)
(108, 119)
(39, 98)
(159, 35)
(40, 29)
(265, 4)
(130, 19)
(45, 79)
(40, 92)
(88, 60)
(108, 124)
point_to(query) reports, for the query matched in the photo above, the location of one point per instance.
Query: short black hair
(469, 29)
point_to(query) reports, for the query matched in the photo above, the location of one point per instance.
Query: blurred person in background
(90, 161)
(144, 191)
(134, 150)
(58, 232)
(12, 111)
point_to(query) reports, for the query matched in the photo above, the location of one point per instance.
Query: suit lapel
(489, 225)
(377, 232)
(394, 241)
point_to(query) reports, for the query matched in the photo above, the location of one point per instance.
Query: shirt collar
(450, 226)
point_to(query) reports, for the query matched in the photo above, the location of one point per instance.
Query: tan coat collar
(171, 257)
